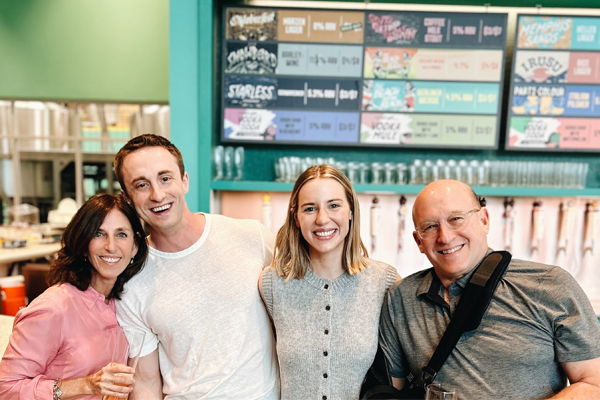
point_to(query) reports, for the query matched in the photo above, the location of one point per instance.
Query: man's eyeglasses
(455, 222)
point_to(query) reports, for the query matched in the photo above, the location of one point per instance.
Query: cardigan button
(326, 286)
(325, 353)
(325, 376)
(328, 308)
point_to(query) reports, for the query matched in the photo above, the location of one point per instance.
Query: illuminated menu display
(375, 78)
(555, 86)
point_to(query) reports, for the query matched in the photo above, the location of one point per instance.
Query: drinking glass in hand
(135, 338)
(120, 350)
(135, 342)
(436, 392)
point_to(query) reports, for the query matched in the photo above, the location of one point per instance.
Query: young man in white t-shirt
(208, 335)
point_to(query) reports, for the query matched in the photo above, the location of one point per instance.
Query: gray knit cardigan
(327, 330)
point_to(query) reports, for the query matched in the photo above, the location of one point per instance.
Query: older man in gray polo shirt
(539, 330)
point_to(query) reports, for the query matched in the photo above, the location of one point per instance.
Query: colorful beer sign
(256, 58)
(433, 64)
(300, 93)
(291, 126)
(427, 130)
(320, 26)
(555, 88)
(363, 78)
(430, 97)
(319, 60)
(251, 24)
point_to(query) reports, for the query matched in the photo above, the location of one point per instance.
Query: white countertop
(28, 252)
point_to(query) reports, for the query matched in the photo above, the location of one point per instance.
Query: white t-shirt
(202, 308)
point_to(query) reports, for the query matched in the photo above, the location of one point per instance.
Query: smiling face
(156, 188)
(452, 253)
(323, 216)
(111, 250)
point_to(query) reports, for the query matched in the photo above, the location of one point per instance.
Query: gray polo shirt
(539, 317)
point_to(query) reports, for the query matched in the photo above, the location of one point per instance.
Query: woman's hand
(112, 380)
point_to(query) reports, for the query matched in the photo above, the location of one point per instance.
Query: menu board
(555, 85)
(374, 78)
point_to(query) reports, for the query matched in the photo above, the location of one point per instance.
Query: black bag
(473, 304)
(377, 384)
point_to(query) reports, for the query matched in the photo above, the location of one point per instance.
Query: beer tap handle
(375, 216)
(402, 212)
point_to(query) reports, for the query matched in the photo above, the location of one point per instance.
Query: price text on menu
(375, 78)
(554, 99)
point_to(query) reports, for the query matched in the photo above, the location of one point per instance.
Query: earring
(85, 259)
(131, 262)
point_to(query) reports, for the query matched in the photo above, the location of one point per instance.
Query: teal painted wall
(111, 50)
(191, 93)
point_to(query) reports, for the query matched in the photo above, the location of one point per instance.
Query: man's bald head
(444, 187)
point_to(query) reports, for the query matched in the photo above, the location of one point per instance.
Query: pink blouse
(64, 333)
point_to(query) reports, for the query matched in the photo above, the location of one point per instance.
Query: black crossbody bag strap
(473, 304)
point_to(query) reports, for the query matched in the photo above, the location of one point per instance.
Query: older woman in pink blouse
(62, 344)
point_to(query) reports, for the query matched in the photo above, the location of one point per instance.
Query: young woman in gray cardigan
(322, 291)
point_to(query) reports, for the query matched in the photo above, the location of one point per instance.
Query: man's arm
(148, 381)
(390, 342)
(576, 332)
(398, 383)
(262, 296)
(585, 380)
(268, 245)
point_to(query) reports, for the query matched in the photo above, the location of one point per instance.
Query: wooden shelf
(252, 186)
(500, 191)
(64, 155)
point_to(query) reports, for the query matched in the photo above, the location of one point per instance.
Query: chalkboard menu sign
(374, 78)
(555, 85)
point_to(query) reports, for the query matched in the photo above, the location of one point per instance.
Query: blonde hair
(291, 249)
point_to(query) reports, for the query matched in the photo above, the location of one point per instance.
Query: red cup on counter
(12, 290)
